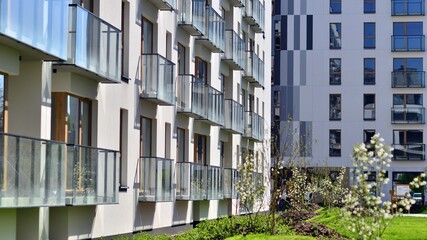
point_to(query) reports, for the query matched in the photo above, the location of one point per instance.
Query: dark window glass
(335, 6)
(335, 35)
(335, 71)
(369, 35)
(2, 100)
(369, 107)
(369, 71)
(335, 107)
(369, 6)
(408, 28)
(367, 135)
(334, 143)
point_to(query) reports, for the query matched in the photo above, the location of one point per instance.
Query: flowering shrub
(298, 189)
(332, 191)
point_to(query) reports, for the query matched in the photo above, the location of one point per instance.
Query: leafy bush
(293, 217)
(316, 230)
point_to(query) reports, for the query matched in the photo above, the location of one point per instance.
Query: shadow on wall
(180, 212)
(75, 222)
(200, 210)
(144, 218)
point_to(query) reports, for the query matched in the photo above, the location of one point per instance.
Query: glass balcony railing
(409, 152)
(214, 183)
(234, 53)
(38, 24)
(32, 172)
(190, 181)
(157, 79)
(408, 79)
(258, 179)
(237, 3)
(91, 176)
(254, 69)
(192, 16)
(94, 45)
(255, 15)
(231, 176)
(254, 126)
(407, 7)
(408, 43)
(408, 115)
(156, 180)
(199, 100)
(168, 5)
(214, 36)
(234, 116)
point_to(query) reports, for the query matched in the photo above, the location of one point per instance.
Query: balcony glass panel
(31, 172)
(214, 183)
(231, 176)
(158, 80)
(254, 70)
(190, 181)
(408, 79)
(407, 7)
(94, 45)
(41, 24)
(156, 180)
(407, 115)
(256, 11)
(215, 105)
(254, 126)
(214, 30)
(409, 152)
(407, 43)
(92, 175)
(234, 48)
(234, 116)
(193, 12)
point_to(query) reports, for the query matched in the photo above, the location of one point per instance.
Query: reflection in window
(335, 6)
(335, 71)
(369, 71)
(146, 137)
(407, 28)
(408, 72)
(369, 35)
(334, 142)
(407, 7)
(2, 102)
(369, 107)
(367, 135)
(277, 27)
(369, 6)
(200, 149)
(335, 107)
(335, 35)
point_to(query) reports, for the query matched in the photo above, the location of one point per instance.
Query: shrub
(316, 230)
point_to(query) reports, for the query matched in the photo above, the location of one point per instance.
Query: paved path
(414, 215)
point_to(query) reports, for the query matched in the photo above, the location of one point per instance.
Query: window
(334, 143)
(335, 71)
(180, 145)
(368, 107)
(3, 101)
(181, 59)
(408, 72)
(86, 4)
(200, 149)
(277, 26)
(407, 108)
(123, 146)
(146, 137)
(146, 36)
(367, 135)
(407, 7)
(369, 71)
(408, 36)
(369, 6)
(335, 107)
(369, 35)
(334, 6)
(408, 145)
(335, 36)
(407, 28)
(201, 70)
(407, 100)
(221, 153)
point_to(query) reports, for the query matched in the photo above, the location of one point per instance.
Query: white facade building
(344, 70)
(124, 116)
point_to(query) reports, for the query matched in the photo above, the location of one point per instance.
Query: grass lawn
(400, 227)
(269, 237)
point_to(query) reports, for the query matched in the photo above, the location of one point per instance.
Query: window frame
(365, 7)
(332, 38)
(368, 37)
(338, 3)
(365, 95)
(337, 143)
(334, 74)
(367, 73)
(337, 114)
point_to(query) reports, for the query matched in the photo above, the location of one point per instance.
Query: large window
(408, 36)
(402, 137)
(334, 143)
(408, 72)
(407, 28)
(180, 145)
(369, 35)
(200, 149)
(147, 36)
(407, 100)
(407, 108)
(335, 6)
(182, 59)
(201, 70)
(369, 71)
(407, 7)
(408, 145)
(369, 6)
(335, 71)
(146, 137)
(368, 106)
(335, 107)
(335, 35)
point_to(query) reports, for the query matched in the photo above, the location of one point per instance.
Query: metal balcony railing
(192, 16)
(91, 175)
(234, 120)
(157, 79)
(32, 172)
(408, 79)
(254, 14)
(408, 115)
(409, 152)
(407, 8)
(234, 54)
(407, 43)
(156, 180)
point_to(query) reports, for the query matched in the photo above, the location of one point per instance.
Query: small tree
(332, 191)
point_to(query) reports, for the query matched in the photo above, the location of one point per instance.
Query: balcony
(231, 176)
(254, 126)
(414, 115)
(407, 43)
(36, 28)
(234, 121)
(31, 172)
(254, 14)
(214, 35)
(200, 101)
(94, 47)
(167, 5)
(157, 79)
(156, 180)
(214, 183)
(409, 152)
(192, 16)
(234, 54)
(407, 7)
(254, 70)
(237, 3)
(408, 79)
(190, 181)
(91, 176)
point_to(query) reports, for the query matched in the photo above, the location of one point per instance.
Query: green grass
(269, 237)
(400, 227)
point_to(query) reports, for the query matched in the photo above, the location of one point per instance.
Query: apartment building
(345, 70)
(125, 116)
